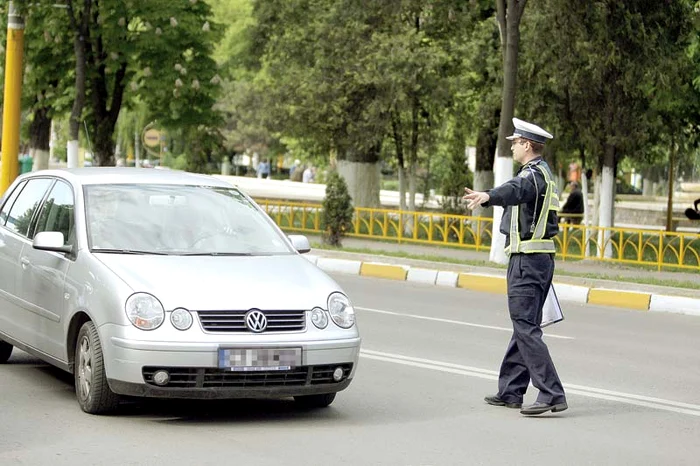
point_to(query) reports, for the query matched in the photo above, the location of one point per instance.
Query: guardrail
(659, 249)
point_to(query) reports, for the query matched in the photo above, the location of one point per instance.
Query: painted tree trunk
(503, 171)
(607, 197)
(363, 180)
(586, 213)
(509, 14)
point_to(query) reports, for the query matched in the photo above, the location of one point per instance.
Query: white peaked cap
(526, 130)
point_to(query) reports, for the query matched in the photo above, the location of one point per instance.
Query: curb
(497, 284)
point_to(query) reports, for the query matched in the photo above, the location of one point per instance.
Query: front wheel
(315, 401)
(91, 387)
(5, 351)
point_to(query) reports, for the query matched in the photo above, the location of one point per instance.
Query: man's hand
(475, 198)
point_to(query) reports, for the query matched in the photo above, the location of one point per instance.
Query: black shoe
(539, 408)
(496, 401)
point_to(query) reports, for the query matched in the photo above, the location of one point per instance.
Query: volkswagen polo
(167, 284)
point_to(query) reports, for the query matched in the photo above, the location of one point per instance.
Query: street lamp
(12, 97)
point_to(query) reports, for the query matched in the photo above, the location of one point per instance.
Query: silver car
(167, 284)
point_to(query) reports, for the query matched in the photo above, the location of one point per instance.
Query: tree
(47, 74)
(337, 209)
(608, 78)
(158, 49)
(508, 14)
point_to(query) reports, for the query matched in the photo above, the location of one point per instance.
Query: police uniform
(529, 222)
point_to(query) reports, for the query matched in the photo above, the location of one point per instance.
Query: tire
(5, 351)
(91, 387)
(315, 401)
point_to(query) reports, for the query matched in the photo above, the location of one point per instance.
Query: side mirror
(51, 241)
(300, 243)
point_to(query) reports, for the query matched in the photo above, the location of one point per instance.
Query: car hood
(225, 282)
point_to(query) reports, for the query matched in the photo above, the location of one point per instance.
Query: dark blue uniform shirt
(528, 185)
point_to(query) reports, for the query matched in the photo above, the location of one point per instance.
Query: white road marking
(591, 392)
(449, 321)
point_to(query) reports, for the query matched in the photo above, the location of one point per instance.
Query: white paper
(551, 311)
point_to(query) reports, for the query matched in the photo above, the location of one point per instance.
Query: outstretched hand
(475, 198)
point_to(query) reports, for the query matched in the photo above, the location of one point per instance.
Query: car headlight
(341, 310)
(319, 317)
(181, 318)
(144, 311)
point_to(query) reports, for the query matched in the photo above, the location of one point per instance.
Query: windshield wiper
(129, 251)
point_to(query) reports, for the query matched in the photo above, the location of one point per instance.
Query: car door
(41, 282)
(9, 260)
(15, 219)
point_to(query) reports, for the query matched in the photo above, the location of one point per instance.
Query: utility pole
(13, 93)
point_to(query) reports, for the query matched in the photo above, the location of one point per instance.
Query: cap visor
(515, 136)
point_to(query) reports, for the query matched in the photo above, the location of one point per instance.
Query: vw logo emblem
(256, 321)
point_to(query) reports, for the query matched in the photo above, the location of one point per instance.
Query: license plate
(259, 359)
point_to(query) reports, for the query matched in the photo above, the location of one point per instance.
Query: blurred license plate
(259, 359)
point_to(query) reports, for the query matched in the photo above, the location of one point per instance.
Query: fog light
(181, 319)
(162, 377)
(319, 317)
(338, 374)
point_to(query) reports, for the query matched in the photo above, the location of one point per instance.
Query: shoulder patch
(526, 171)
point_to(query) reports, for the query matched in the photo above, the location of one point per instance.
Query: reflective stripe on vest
(537, 243)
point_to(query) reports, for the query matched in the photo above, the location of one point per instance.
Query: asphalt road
(429, 356)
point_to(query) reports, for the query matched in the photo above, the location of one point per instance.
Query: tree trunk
(509, 13)
(399, 146)
(669, 202)
(363, 180)
(486, 143)
(80, 27)
(607, 197)
(40, 139)
(105, 114)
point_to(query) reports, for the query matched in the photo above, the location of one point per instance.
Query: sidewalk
(613, 290)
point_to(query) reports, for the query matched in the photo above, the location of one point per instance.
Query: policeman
(529, 222)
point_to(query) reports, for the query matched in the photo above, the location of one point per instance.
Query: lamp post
(13, 93)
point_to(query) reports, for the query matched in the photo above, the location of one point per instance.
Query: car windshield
(177, 219)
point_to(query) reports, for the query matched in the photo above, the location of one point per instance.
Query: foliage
(159, 51)
(456, 175)
(604, 83)
(337, 209)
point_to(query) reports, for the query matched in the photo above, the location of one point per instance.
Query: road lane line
(449, 321)
(591, 392)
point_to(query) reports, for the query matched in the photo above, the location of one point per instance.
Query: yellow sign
(152, 138)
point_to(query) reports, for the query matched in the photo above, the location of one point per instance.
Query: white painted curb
(329, 264)
(427, 276)
(447, 279)
(573, 293)
(674, 304)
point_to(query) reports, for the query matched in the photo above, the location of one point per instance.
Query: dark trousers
(527, 357)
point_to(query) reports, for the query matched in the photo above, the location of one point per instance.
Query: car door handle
(25, 262)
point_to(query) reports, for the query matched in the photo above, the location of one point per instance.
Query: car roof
(129, 175)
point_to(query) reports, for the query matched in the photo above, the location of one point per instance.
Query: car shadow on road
(211, 411)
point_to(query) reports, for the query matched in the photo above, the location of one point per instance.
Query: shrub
(337, 209)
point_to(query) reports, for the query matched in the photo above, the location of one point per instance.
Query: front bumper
(129, 365)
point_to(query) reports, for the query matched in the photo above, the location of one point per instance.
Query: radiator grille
(234, 321)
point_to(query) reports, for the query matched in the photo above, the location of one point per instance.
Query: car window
(25, 206)
(10, 201)
(57, 213)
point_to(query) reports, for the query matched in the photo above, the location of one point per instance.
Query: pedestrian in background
(574, 204)
(264, 169)
(309, 175)
(529, 222)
